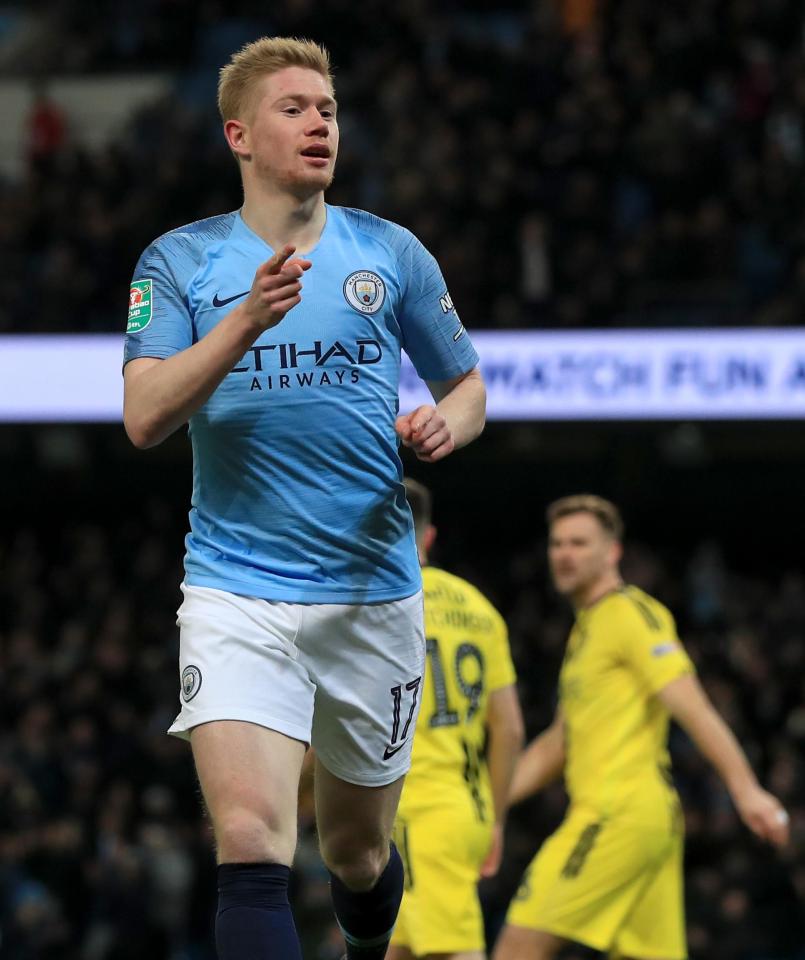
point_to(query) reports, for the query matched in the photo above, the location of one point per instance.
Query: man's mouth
(317, 151)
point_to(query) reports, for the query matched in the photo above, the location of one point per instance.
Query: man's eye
(327, 114)
(292, 110)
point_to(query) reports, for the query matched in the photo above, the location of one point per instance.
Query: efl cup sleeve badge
(365, 291)
(141, 302)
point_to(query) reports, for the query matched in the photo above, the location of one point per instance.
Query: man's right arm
(541, 762)
(160, 395)
(692, 709)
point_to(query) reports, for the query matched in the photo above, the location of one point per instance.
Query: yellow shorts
(610, 884)
(442, 850)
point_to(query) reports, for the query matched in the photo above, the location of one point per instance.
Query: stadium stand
(641, 170)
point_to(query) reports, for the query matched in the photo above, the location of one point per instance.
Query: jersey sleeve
(500, 668)
(159, 323)
(432, 334)
(650, 646)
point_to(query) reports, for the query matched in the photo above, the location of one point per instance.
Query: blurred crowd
(569, 162)
(105, 853)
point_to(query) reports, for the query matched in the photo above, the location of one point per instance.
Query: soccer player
(302, 612)
(449, 825)
(611, 876)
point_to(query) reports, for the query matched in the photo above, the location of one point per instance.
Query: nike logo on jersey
(222, 303)
(390, 751)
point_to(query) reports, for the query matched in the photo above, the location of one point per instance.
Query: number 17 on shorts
(405, 699)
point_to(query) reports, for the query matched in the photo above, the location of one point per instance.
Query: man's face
(580, 552)
(292, 135)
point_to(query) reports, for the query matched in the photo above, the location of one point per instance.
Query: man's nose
(318, 124)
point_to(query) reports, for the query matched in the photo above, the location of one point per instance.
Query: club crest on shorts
(191, 682)
(365, 291)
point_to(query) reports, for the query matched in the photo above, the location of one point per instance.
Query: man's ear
(237, 137)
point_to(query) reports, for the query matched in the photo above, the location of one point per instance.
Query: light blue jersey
(297, 481)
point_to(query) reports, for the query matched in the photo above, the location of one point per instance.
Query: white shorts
(346, 678)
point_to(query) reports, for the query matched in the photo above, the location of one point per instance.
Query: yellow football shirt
(621, 652)
(467, 658)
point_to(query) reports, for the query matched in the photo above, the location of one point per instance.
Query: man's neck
(280, 218)
(597, 591)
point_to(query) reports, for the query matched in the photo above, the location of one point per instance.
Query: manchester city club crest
(191, 682)
(365, 291)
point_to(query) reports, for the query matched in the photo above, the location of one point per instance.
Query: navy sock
(367, 919)
(254, 920)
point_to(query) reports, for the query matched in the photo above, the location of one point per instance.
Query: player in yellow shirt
(611, 876)
(469, 733)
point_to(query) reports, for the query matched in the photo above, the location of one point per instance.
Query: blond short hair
(604, 511)
(260, 59)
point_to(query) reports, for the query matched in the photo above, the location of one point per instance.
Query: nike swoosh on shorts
(390, 751)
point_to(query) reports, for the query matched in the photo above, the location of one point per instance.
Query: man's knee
(247, 836)
(357, 864)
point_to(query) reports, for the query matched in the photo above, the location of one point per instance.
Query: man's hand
(276, 289)
(491, 864)
(764, 815)
(426, 432)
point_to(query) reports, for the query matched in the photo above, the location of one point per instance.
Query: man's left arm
(458, 417)
(506, 732)
(690, 706)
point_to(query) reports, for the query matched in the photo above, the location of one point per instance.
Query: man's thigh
(442, 851)
(352, 817)
(587, 878)
(367, 662)
(656, 926)
(249, 778)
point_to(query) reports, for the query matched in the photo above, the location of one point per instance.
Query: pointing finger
(277, 262)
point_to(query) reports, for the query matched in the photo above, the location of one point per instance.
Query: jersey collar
(242, 232)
